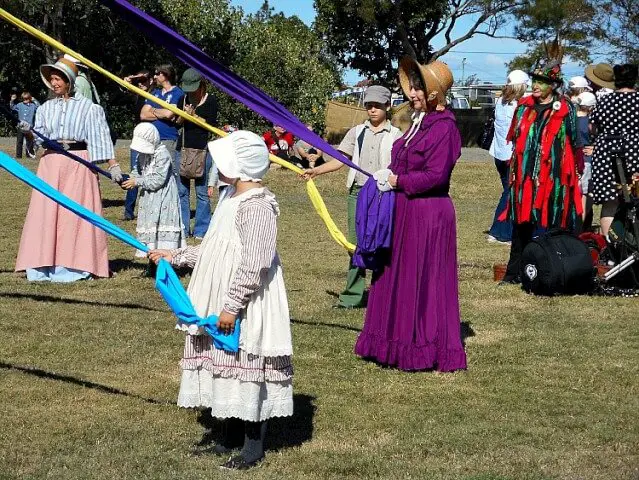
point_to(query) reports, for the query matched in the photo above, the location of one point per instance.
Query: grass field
(89, 372)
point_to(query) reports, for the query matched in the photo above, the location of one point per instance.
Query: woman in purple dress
(413, 320)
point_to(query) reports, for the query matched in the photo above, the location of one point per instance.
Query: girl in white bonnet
(237, 274)
(159, 223)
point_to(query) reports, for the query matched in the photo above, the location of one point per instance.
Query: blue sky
(485, 56)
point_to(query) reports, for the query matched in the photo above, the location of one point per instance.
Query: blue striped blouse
(78, 120)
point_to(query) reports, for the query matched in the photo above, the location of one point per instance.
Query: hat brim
(46, 71)
(545, 79)
(223, 155)
(190, 87)
(590, 75)
(432, 83)
(141, 146)
(406, 65)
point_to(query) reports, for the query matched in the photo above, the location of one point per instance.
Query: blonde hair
(512, 92)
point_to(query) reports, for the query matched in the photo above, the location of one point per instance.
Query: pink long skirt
(54, 236)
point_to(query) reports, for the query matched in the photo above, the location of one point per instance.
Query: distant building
(482, 94)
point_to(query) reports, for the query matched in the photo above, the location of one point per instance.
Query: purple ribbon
(222, 77)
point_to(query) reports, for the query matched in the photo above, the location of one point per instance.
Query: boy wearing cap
(368, 145)
(576, 86)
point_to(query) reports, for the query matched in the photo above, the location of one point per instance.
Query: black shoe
(211, 449)
(238, 463)
(509, 281)
(126, 218)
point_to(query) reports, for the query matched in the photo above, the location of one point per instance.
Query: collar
(61, 99)
(387, 126)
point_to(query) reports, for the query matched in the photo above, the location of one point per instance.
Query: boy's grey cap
(377, 94)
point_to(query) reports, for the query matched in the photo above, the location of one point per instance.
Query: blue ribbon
(166, 281)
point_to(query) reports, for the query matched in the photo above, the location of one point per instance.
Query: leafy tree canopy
(278, 54)
(372, 35)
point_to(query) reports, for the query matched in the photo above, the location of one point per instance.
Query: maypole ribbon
(166, 281)
(311, 188)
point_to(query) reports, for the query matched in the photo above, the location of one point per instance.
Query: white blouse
(499, 149)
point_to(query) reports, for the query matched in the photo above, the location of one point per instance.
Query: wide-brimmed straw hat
(601, 75)
(436, 78)
(63, 66)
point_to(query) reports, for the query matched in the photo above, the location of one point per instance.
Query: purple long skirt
(413, 320)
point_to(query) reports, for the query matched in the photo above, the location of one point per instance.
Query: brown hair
(574, 91)
(512, 92)
(415, 79)
(168, 70)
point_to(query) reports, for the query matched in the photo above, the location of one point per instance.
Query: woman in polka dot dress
(616, 115)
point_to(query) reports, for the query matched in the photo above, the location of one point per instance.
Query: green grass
(550, 393)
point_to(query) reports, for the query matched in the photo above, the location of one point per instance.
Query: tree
(372, 35)
(284, 57)
(620, 29)
(89, 28)
(278, 54)
(554, 30)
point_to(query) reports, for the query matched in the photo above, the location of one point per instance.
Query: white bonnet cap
(579, 82)
(241, 154)
(146, 138)
(586, 99)
(517, 77)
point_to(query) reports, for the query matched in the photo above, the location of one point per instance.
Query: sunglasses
(157, 74)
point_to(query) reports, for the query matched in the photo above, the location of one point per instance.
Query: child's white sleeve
(257, 226)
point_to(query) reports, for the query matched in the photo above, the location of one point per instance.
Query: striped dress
(57, 245)
(237, 269)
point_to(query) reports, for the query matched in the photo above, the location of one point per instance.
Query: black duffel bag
(557, 263)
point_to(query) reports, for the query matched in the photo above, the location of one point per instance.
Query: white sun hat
(146, 138)
(517, 77)
(586, 99)
(579, 82)
(241, 154)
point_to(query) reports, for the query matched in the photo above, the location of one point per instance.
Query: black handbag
(487, 133)
(557, 263)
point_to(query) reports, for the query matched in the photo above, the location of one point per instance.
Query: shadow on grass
(293, 431)
(37, 372)
(325, 324)
(108, 202)
(121, 264)
(74, 301)
(281, 433)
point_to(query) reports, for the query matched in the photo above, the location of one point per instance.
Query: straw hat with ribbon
(436, 78)
(63, 66)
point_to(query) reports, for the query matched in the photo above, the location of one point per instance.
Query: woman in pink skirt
(57, 245)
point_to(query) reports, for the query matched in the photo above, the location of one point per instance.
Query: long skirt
(249, 387)
(52, 235)
(413, 319)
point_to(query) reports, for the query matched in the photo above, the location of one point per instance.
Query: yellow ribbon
(311, 188)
